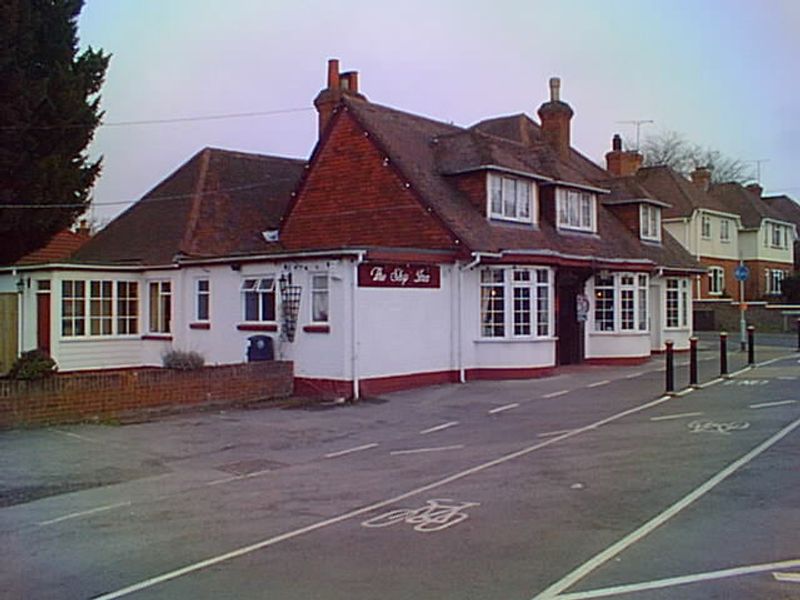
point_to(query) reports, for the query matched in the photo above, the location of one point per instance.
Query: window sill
(514, 340)
(626, 332)
(257, 327)
(317, 328)
(73, 339)
(163, 337)
(200, 325)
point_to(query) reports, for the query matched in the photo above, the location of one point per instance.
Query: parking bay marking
(423, 450)
(84, 513)
(769, 404)
(556, 394)
(598, 383)
(504, 408)
(350, 450)
(244, 550)
(439, 427)
(787, 577)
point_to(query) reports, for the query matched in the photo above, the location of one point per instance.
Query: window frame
(569, 204)
(159, 307)
(716, 281)
(776, 231)
(621, 303)
(498, 207)
(650, 222)
(316, 292)
(97, 312)
(521, 307)
(725, 231)
(130, 314)
(202, 300)
(260, 289)
(774, 281)
(706, 231)
(681, 303)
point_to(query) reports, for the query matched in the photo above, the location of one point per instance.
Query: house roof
(215, 204)
(788, 208)
(626, 190)
(684, 196)
(738, 199)
(427, 152)
(60, 246)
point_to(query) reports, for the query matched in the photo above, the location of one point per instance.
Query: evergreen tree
(49, 109)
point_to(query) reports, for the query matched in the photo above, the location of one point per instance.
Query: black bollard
(692, 361)
(723, 353)
(751, 345)
(670, 383)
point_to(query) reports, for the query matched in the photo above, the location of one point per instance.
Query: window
(775, 279)
(202, 299)
(529, 290)
(677, 303)
(705, 227)
(319, 298)
(127, 307)
(725, 230)
(575, 209)
(160, 306)
(650, 222)
(73, 308)
(620, 302)
(510, 198)
(716, 280)
(779, 237)
(259, 299)
(101, 318)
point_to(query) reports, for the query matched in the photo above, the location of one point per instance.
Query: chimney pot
(555, 117)
(755, 188)
(622, 163)
(616, 143)
(701, 177)
(555, 89)
(333, 74)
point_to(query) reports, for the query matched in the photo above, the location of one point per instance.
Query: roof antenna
(638, 123)
(758, 162)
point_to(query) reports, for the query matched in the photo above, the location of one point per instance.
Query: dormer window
(576, 210)
(511, 199)
(650, 222)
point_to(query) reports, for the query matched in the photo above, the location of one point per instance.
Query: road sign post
(741, 274)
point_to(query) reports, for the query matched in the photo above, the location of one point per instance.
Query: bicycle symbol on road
(711, 426)
(436, 515)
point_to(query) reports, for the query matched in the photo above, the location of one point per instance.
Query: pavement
(590, 483)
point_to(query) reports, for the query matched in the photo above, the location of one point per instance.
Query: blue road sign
(741, 273)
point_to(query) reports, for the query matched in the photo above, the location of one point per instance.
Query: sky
(724, 73)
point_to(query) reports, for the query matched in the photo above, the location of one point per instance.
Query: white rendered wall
(753, 248)
(681, 231)
(714, 246)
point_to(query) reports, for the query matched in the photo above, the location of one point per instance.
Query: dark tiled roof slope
(674, 189)
(738, 199)
(215, 204)
(788, 208)
(61, 246)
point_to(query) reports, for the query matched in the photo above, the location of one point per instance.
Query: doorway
(570, 283)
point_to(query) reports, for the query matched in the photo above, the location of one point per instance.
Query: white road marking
(603, 557)
(555, 394)
(350, 450)
(244, 550)
(685, 392)
(500, 409)
(598, 383)
(76, 436)
(710, 383)
(768, 404)
(787, 577)
(676, 416)
(787, 378)
(740, 371)
(422, 450)
(774, 360)
(553, 433)
(634, 375)
(239, 477)
(439, 427)
(84, 513)
(673, 581)
(436, 515)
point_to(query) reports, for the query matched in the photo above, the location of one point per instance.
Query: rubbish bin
(259, 348)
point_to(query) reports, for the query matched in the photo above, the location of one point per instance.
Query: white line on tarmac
(603, 557)
(740, 371)
(788, 378)
(673, 581)
(702, 386)
(422, 450)
(768, 404)
(787, 577)
(239, 477)
(688, 390)
(500, 409)
(677, 416)
(244, 550)
(350, 450)
(634, 375)
(439, 427)
(774, 360)
(598, 383)
(555, 394)
(76, 436)
(84, 513)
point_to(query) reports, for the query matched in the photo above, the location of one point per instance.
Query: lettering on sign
(396, 275)
(436, 515)
(713, 427)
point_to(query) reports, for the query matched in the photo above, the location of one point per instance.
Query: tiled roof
(788, 208)
(738, 199)
(624, 190)
(215, 204)
(674, 189)
(61, 246)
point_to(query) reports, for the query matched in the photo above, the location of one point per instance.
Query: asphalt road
(589, 484)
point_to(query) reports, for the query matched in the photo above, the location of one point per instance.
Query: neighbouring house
(406, 251)
(790, 212)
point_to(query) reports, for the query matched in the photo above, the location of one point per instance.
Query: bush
(34, 364)
(182, 360)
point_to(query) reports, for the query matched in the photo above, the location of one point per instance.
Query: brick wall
(75, 397)
(724, 316)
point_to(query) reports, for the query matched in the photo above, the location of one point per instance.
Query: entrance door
(43, 321)
(569, 283)
(8, 331)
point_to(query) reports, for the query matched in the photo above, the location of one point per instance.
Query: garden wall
(105, 395)
(718, 315)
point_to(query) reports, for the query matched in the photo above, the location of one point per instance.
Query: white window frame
(621, 303)
(126, 307)
(716, 281)
(576, 210)
(679, 289)
(777, 233)
(159, 314)
(516, 302)
(97, 312)
(260, 285)
(705, 227)
(202, 300)
(500, 206)
(725, 231)
(320, 294)
(774, 281)
(650, 222)
(76, 299)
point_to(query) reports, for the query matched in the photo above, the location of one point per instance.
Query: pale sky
(722, 72)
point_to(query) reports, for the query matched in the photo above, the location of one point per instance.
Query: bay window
(99, 308)
(530, 292)
(620, 302)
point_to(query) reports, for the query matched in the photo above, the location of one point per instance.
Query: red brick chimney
(755, 189)
(701, 177)
(555, 116)
(622, 163)
(338, 84)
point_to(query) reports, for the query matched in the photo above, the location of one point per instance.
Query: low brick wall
(724, 316)
(103, 395)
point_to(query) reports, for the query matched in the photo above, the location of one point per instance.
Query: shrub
(183, 360)
(34, 364)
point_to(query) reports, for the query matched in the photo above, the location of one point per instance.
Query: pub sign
(392, 275)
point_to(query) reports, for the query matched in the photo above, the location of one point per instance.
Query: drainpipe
(354, 327)
(20, 312)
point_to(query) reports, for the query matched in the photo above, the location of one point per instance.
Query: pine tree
(49, 110)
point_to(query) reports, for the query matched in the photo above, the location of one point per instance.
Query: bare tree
(674, 150)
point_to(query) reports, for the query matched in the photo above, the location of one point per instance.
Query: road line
(555, 394)
(685, 392)
(422, 450)
(244, 550)
(553, 433)
(239, 477)
(673, 581)
(768, 404)
(634, 375)
(712, 382)
(788, 378)
(84, 513)
(598, 383)
(500, 409)
(740, 371)
(350, 450)
(787, 577)
(774, 360)
(603, 557)
(439, 427)
(76, 436)
(676, 416)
